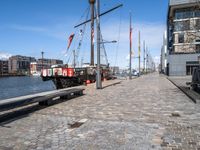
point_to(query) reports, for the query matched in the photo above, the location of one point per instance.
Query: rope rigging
(82, 31)
(118, 38)
(79, 41)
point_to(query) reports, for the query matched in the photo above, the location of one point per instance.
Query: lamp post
(107, 42)
(98, 73)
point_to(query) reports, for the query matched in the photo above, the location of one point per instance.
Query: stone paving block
(135, 115)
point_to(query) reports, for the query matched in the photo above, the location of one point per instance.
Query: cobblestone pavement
(145, 113)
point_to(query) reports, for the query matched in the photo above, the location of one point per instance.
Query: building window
(197, 48)
(190, 69)
(182, 25)
(197, 13)
(184, 13)
(178, 26)
(181, 38)
(197, 24)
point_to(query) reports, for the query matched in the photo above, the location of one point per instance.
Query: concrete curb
(189, 93)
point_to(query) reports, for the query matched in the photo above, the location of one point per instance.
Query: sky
(28, 27)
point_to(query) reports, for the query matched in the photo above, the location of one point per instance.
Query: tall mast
(139, 53)
(74, 54)
(92, 2)
(147, 59)
(98, 74)
(130, 74)
(144, 56)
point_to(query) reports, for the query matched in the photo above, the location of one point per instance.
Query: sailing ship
(65, 76)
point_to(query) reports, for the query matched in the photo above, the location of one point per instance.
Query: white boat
(36, 74)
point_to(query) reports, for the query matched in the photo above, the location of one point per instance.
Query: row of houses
(181, 41)
(23, 65)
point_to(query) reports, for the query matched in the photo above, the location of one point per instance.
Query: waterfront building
(37, 66)
(49, 62)
(20, 65)
(183, 37)
(3, 67)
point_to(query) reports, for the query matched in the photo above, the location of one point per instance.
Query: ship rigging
(66, 76)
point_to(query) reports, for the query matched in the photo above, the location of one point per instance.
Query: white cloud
(4, 56)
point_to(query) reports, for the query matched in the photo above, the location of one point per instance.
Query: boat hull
(69, 77)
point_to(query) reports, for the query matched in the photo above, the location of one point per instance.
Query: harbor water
(19, 86)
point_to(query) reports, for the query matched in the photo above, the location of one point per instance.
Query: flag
(70, 40)
(139, 50)
(81, 32)
(132, 53)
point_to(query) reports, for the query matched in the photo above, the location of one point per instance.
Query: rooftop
(179, 2)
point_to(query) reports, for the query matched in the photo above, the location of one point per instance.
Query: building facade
(36, 67)
(20, 65)
(49, 62)
(3, 67)
(183, 37)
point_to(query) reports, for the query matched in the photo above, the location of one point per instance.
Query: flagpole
(130, 74)
(139, 54)
(144, 56)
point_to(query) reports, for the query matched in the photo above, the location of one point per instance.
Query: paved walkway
(146, 113)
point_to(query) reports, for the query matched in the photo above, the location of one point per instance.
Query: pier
(148, 112)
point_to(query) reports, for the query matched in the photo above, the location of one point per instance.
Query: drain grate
(75, 125)
(175, 114)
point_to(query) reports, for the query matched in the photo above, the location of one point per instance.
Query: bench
(44, 98)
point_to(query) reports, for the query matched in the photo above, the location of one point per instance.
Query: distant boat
(36, 74)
